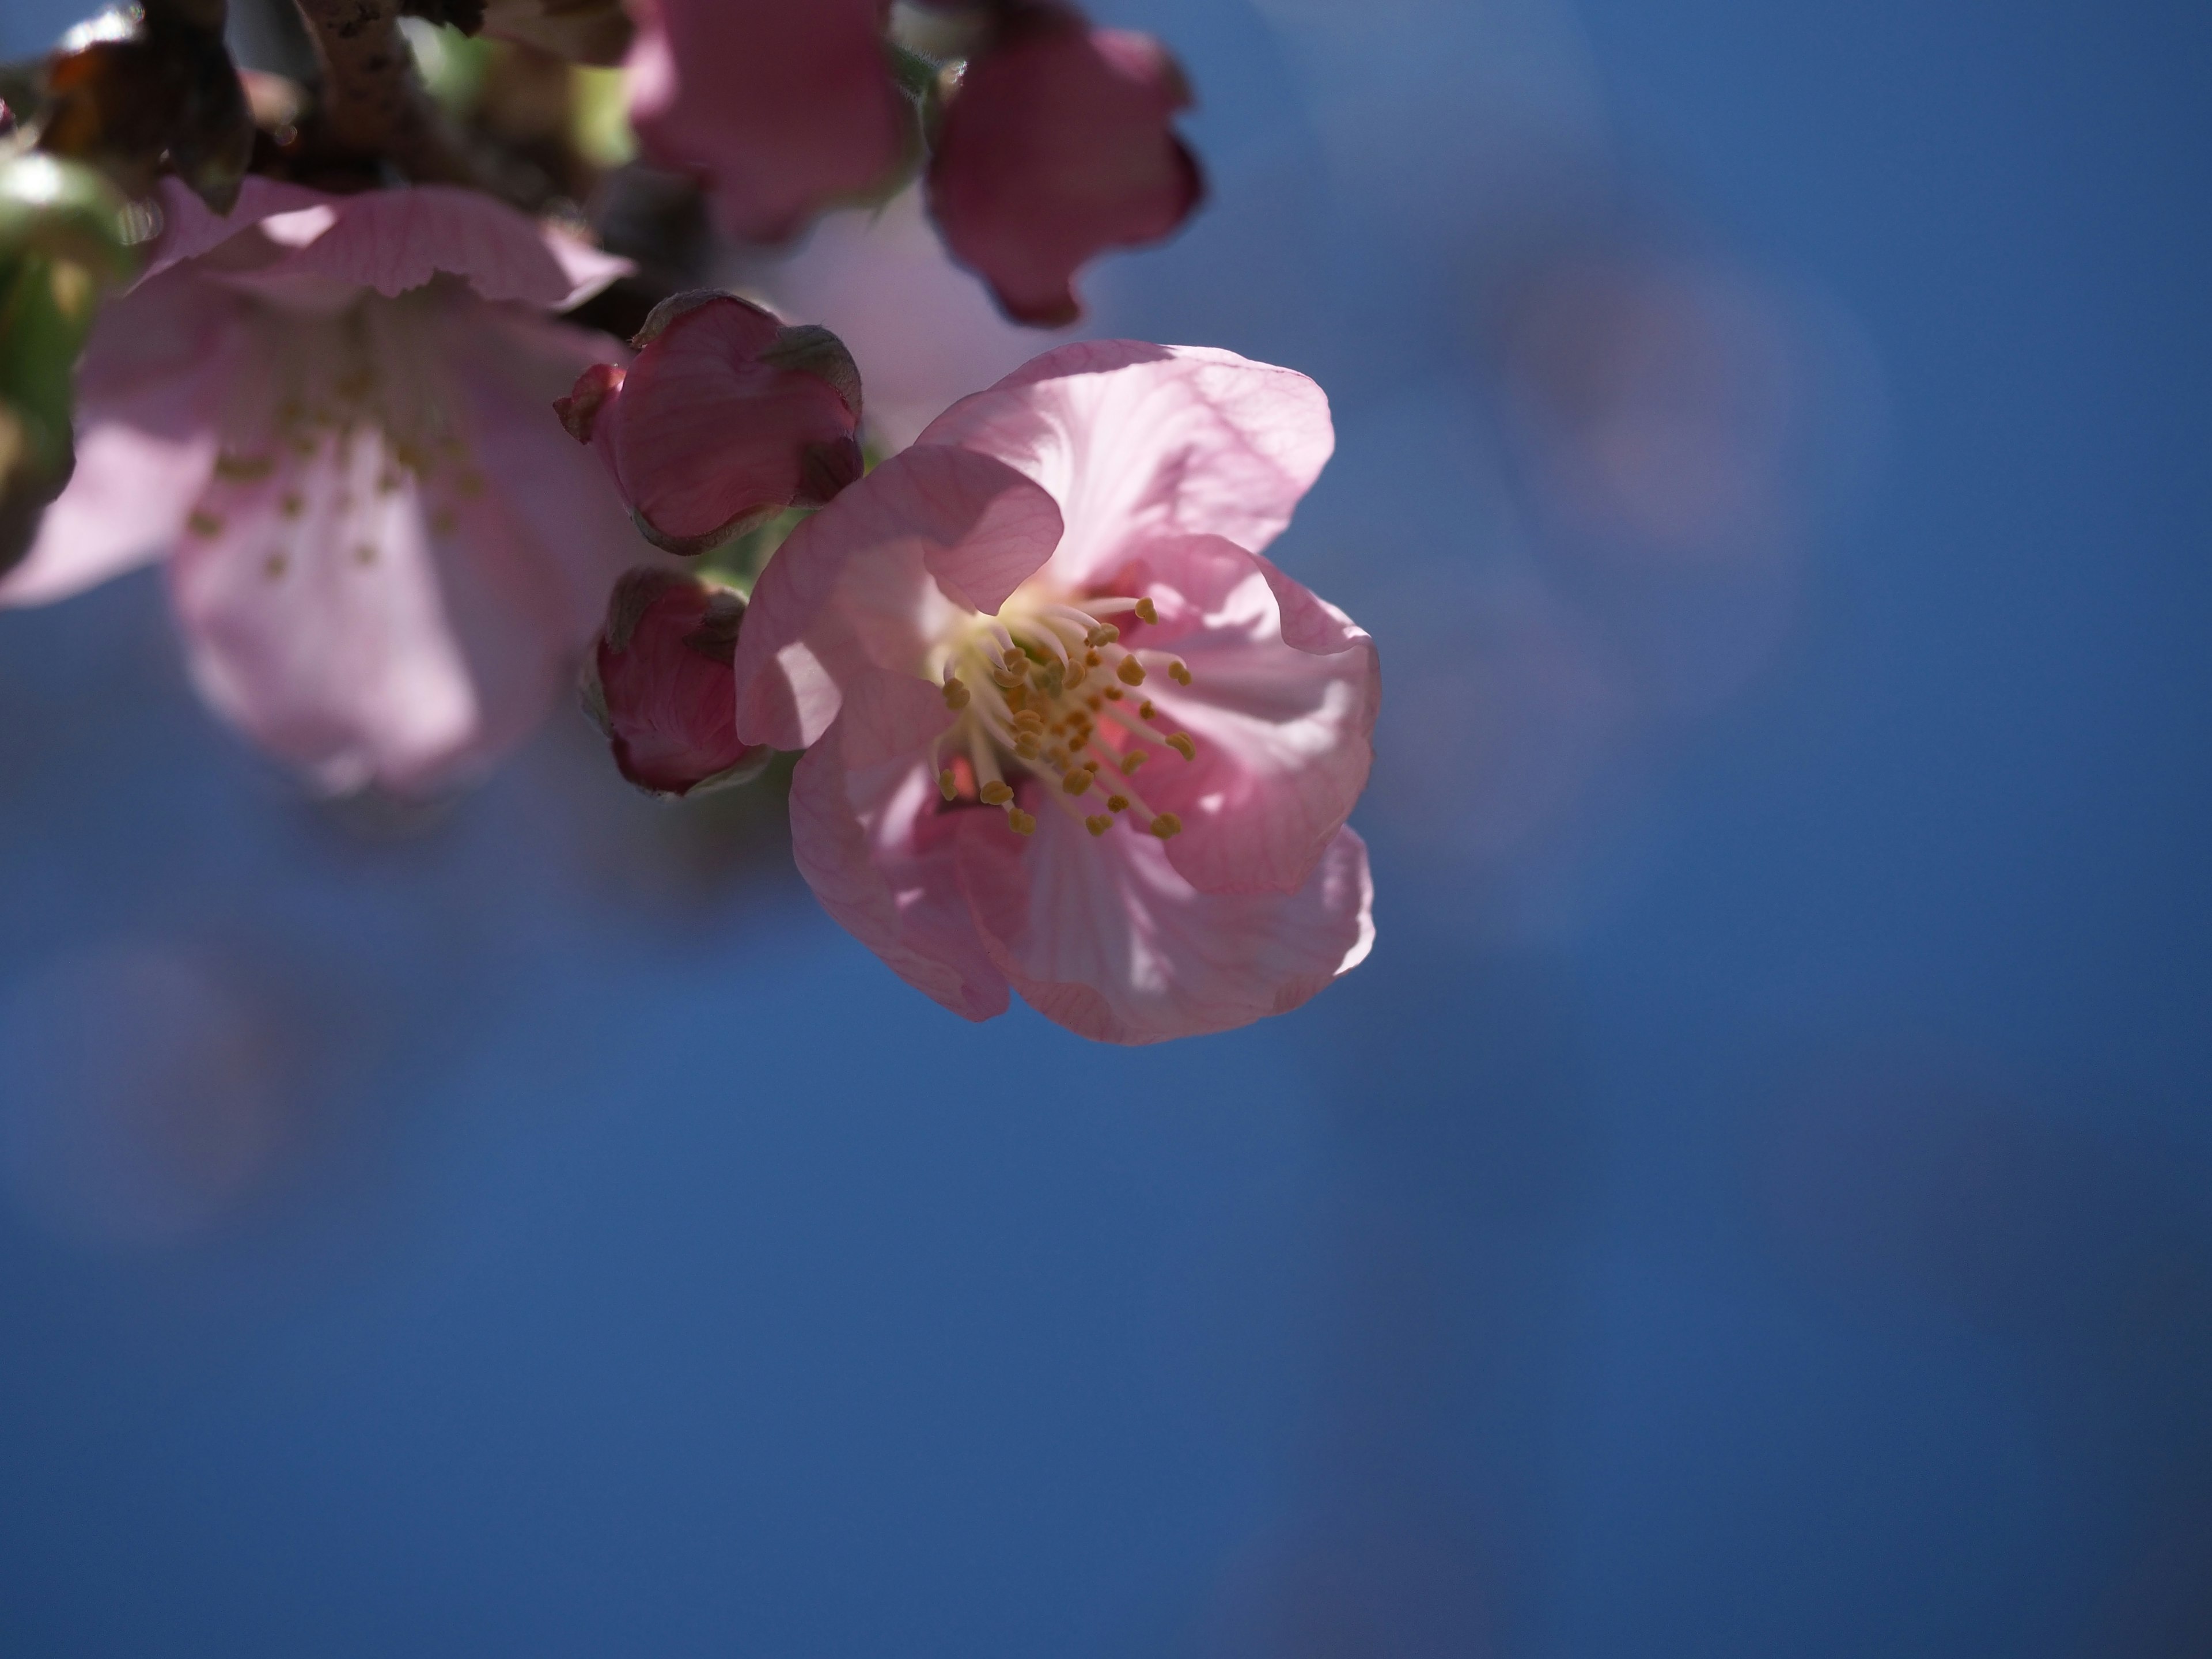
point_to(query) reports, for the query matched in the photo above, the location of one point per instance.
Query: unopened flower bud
(658, 682)
(726, 417)
(1057, 146)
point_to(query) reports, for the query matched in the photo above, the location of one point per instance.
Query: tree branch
(371, 97)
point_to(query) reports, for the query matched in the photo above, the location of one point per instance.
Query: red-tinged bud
(1058, 145)
(726, 418)
(659, 684)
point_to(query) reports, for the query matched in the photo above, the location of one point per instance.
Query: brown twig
(371, 97)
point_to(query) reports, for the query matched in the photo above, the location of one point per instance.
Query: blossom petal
(190, 227)
(784, 107)
(149, 393)
(867, 833)
(1285, 689)
(1056, 146)
(1135, 441)
(1102, 935)
(870, 580)
(370, 624)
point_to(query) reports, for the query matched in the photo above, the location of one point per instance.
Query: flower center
(1047, 690)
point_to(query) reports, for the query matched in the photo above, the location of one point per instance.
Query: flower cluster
(1064, 730)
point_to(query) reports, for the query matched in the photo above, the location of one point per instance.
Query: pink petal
(1056, 146)
(1281, 706)
(784, 107)
(190, 227)
(400, 240)
(149, 390)
(868, 834)
(1137, 442)
(1102, 935)
(726, 416)
(868, 582)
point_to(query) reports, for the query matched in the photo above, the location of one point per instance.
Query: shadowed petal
(867, 834)
(865, 582)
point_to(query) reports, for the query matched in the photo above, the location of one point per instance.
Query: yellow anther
(1076, 782)
(1147, 610)
(1005, 678)
(1092, 765)
(1133, 760)
(1104, 634)
(1091, 660)
(1179, 672)
(1131, 672)
(956, 694)
(1098, 825)
(1028, 719)
(997, 794)
(1114, 694)
(947, 785)
(1028, 748)
(1013, 657)
(1146, 711)
(1180, 742)
(1117, 803)
(204, 524)
(1167, 824)
(1076, 742)
(1020, 821)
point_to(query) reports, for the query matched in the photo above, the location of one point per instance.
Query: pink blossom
(1056, 146)
(659, 684)
(726, 418)
(328, 414)
(785, 105)
(1072, 735)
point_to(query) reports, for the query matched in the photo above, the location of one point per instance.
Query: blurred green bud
(65, 234)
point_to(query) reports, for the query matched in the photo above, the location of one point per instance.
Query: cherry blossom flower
(1056, 146)
(659, 683)
(783, 106)
(1072, 735)
(726, 417)
(329, 414)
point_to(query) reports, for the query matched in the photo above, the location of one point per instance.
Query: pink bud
(1057, 146)
(726, 418)
(659, 684)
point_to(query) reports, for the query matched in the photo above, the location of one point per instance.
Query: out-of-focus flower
(726, 417)
(1072, 735)
(330, 414)
(659, 684)
(782, 107)
(1058, 145)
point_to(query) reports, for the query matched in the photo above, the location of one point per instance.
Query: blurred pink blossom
(329, 414)
(1072, 735)
(1057, 146)
(782, 107)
